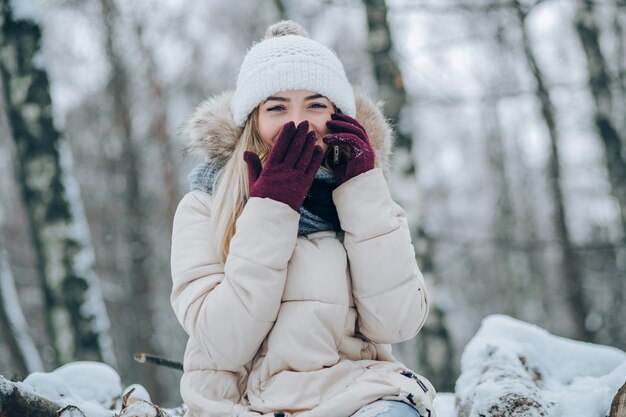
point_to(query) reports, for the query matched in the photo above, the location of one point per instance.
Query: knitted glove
(347, 131)
(290, 167)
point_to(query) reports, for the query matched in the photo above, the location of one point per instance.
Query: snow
(509, 360)
(91, 386)
(139, 392)
(444, 404)
(141, 408)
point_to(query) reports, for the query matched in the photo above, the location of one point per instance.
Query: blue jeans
(385, 408)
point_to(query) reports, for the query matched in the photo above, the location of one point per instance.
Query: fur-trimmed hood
(211, 131)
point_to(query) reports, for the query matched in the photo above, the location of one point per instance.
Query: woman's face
(294, 106)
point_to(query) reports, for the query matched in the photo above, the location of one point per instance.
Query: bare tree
(620, 51)
(609, 132)
(159, 126)
(600, 87)
(431, 352)
(435, 349)
(571, 273)
(140, 295)
(512, 222)
(386, 69)
(281, 9)
(77, 322)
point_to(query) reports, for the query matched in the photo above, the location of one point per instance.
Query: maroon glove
(290, 167)
(347, 131)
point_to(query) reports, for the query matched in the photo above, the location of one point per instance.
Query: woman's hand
(290, 167)
(347, 131)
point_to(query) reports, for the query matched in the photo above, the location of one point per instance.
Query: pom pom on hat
(286, 59)
(285, 27)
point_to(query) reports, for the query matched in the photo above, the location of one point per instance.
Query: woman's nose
(298, 117)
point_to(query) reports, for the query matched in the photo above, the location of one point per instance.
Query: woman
(293, 269)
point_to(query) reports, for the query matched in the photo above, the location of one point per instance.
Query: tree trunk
(159, 130)
(620, 58)
(136, 212)
(542, 285)
(504, 224)
(571, 273)
(610, 134)
(386, 70)
(600, 86)
(431, 352)
(21, 345)
(78, 324)
(435, 350)
(281, 9)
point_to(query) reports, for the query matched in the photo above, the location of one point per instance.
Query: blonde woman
(293, 269)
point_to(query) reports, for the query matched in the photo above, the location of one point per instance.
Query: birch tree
(21, 344)
(77, 322)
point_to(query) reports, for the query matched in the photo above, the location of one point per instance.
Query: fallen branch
(158, 360)
(70, 411)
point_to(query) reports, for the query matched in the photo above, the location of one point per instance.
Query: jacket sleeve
(228, 308)
(387, 285)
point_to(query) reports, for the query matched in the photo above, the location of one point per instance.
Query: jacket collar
(212, 133)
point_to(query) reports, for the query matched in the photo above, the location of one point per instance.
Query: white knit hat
(286, 59)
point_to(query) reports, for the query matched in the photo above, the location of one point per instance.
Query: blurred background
(509, 162)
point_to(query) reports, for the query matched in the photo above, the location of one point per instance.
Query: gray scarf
(318, 212)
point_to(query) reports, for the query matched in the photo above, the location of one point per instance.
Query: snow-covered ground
(509, 368)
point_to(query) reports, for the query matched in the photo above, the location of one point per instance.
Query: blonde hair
(232, 189)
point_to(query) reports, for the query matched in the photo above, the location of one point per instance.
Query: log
(17, 402)
(618, 406)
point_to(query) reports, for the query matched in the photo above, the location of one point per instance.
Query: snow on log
(511, 368)
(92, 382)
(18, 400)
(78, 389)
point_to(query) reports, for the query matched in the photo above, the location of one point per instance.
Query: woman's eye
(319, 106)
(275, 108)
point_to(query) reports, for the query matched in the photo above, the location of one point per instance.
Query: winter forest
(509, 161)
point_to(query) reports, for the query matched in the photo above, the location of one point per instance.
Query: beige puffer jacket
(296, 325)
